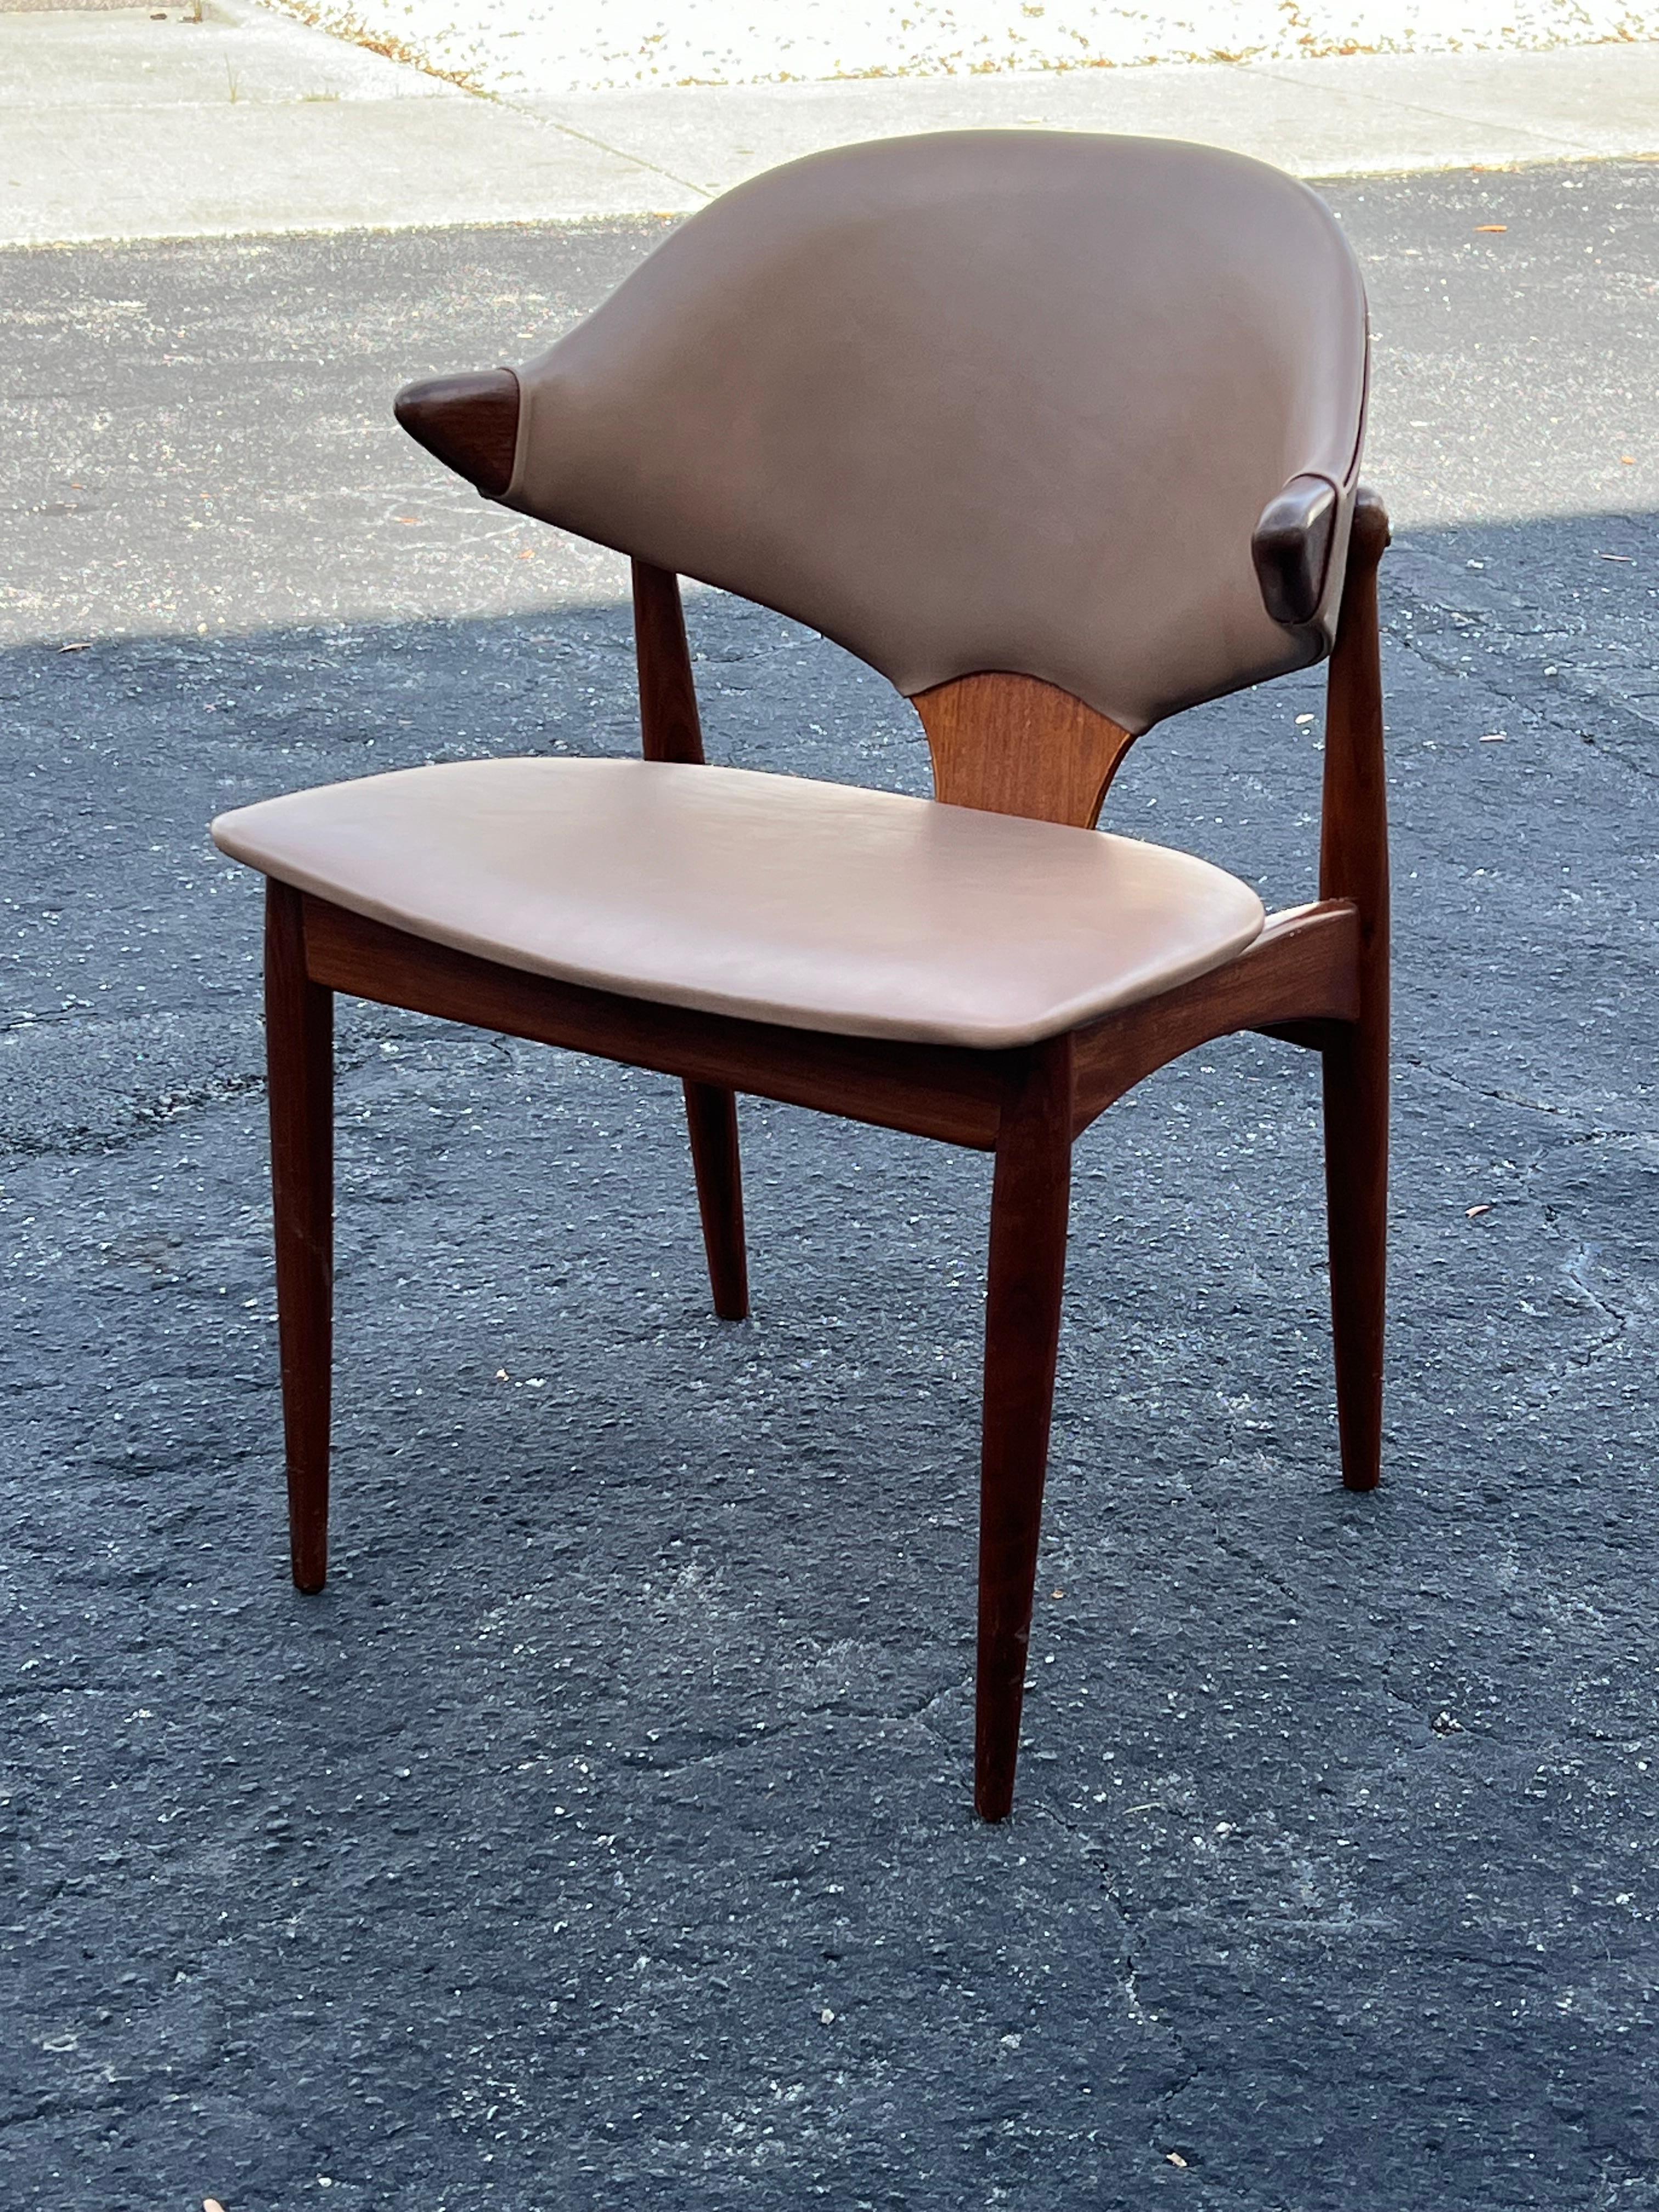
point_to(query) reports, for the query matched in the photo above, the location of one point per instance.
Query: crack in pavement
(1589, 1129)
(1574, 1270)
(1550, 699)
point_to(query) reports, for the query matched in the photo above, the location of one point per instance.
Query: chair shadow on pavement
(602, 1834)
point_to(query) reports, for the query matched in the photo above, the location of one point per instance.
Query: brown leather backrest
(977, 400)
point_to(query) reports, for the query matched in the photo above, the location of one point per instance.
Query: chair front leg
(300, 1061)
(1357, 1199)
(711, 1113)
(1029, 1207)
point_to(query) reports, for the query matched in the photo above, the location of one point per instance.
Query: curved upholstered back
(978, 401)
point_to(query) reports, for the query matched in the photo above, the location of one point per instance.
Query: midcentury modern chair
(1059, 432)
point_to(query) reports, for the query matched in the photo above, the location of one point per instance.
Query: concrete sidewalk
(133, 123)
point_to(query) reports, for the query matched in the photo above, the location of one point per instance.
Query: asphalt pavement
(601, 1838)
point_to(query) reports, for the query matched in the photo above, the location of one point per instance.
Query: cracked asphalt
(601, 1837)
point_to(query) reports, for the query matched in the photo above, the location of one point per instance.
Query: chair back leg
(671, 730)
(711, 1113)
(1030, 1207)
(1353, 864)
(300, 1061)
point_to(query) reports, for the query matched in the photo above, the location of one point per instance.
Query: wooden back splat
(1008, 744)
(1013, 744)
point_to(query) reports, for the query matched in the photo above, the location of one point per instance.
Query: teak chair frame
(1317, 976)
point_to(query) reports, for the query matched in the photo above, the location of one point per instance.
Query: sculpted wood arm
(470, 423)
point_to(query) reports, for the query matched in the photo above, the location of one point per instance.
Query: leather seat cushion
(815, 905)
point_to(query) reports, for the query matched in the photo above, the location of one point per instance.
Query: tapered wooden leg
(1357, 1194)
(1029, 1201)
(670, 730)
(711, 1113)
(300, 1059)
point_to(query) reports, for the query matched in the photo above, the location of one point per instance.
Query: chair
(1060, 433)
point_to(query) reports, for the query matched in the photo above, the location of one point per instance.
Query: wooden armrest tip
(470, 423)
